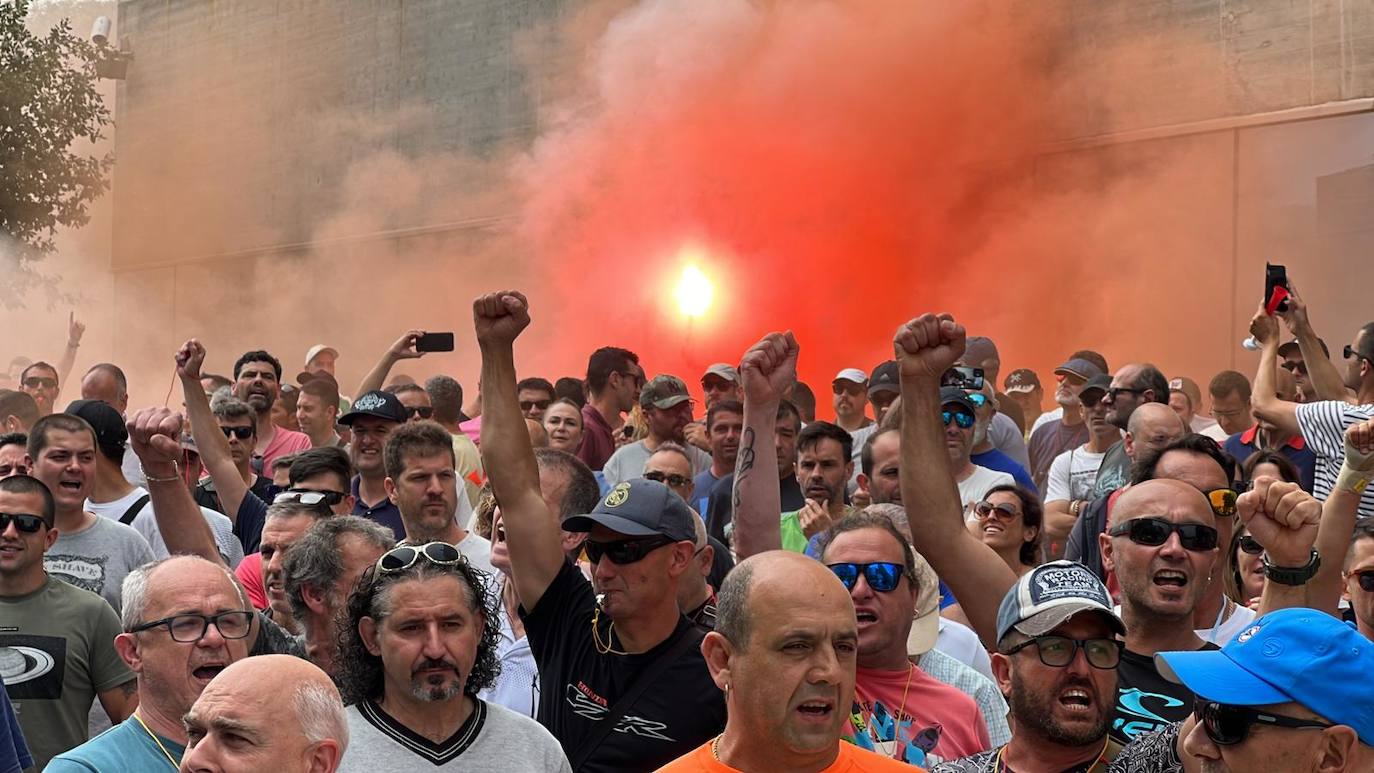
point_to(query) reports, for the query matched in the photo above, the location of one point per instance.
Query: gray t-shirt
(98, 557)
(627, 463)
(145, 523)
(492, 740)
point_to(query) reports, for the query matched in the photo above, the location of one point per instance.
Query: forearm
(179, 520)
(1266, 404)
(213, 447)
(120, 702)
(65, 365)
(376, 377)
(1333, 540)
(1059, 520)
(1325, 377)
(756, 498)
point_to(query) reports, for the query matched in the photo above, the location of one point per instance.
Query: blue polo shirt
(1242, 444)
(996, 460)
(384, 512)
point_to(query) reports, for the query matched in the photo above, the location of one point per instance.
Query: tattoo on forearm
(744, 463)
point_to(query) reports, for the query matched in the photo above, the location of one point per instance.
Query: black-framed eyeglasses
(1228, 725)
(1059, 651)
(882, 576)
(1296, 368)
(24, 522)
(1223, 501)
(1005, 512)
(43, 382)
(191, 627)
(671, 479)
(1114, 392)
(625, 551)
(402, 557)
(242, 433)
(1153, 532)
(422, 411)
(1366, 580)
(1250, 546)
(310, 498)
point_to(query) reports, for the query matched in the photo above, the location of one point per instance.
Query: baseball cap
(1188, 387)
(315, 351)
(958, 397)
(382, 405)
(851, 374)
(1099, 383)
(885, 378)
(307, 376)
(1051, 593)
(1078, 367)
(1292, 347)
(663, 392)
(110, 433)
(639, 508)
(1021, 380)
(724, 370)
(925, 624)
(1294, 655)
(978, 350)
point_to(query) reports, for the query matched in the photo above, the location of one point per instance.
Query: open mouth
(816, 709)
(1170, 579)
(70, 485)
(1076, 699)
(865, 616)
(208, 671)
(992, 528)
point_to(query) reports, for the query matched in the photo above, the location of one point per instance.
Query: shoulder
(974, 763)
(503, 719)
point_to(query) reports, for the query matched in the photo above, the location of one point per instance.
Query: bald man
(1161, 543)
(784, 652)
(270, 712)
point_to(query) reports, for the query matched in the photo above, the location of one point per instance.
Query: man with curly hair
(420, 644)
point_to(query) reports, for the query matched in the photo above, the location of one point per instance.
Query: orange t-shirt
(851, 759)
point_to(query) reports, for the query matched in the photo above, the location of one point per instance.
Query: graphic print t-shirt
(934, 723)
(1146, 701)
(98, 557)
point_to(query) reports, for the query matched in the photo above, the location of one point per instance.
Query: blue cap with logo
(639, 508)
(1048, 595)
(1290, 656)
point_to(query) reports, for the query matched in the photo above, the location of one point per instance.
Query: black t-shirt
(683, 710)
(249, 521)
(1146, 701)
(206, 495)
(720, 509)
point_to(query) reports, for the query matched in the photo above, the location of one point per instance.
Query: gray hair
(226, 407)
(732, 605)
(673, 448)
(293, 509)
(314, 559)
(320, 711)
(134, 591)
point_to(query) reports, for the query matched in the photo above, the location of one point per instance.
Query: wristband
(1350, 479)
(1293, 575)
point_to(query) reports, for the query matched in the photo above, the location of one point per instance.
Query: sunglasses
(424, 411)
(43, 382)
(847, 387)
(402, 557)
(964, 420)
(1059, 651)
(1223, 501)
(1114, 392)
(242, 433)
(1154, 532)
(24, 522)
(1249, 546)
(1366, 581)
(625, 551)
(1228, 725)
(1298, 368)
(716, 384)
(671, 479)
(1004, 511)
(977, 398)
(1349, 352)
(299, 496)
(882, 576)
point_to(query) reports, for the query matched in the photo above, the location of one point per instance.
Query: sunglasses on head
(1298, 368)
(669, 479)
(1250, 546)
(961, 418)
(402, 557)
(1059, 651)
(242, 433)
(422, 411)
(882, 576)
(1228, 725)
(25, 522)
(43, 382)
(301, 496)
(1223, 501)
(625, 551)
(525, 405)
(977, 398)
(1153, 532)
(1004, 511)
(1366, 580)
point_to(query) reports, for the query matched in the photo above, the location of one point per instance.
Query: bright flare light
(694, 292)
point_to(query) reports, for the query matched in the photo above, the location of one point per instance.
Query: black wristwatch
(1293, 575)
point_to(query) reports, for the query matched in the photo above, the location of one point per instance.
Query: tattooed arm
(767, 370)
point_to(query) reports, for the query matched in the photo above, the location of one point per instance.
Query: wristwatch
(1293, 575)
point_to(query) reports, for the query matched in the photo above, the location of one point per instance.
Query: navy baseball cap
(382, 405)
(1099, 383)
(1294, 655)
(885, 378)
(957, 396)
(1078, 367)
(639, 508)
(1050, 594)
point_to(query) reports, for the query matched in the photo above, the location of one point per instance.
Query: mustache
(431, 664)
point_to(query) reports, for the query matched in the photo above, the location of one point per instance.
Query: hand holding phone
(434, 342)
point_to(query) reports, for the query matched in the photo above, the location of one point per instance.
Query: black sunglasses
(1114, 392)
(25, 522)
(670, 479)
(402, 557)
(1228, 725)
(242, 433)
(525, 405)
(1349, 352)
(423, 411)
(882, 576)
(42, 382)
(1059, 651)
(1154, 532)
(191, 627)
(1250, 546)
(1299, 368)
(1366, 581)
(625, 551)
(301, 496)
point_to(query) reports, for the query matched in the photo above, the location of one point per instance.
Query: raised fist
(500, 317)
(190, 358)
(155, 436)
(929, 345)
(1281, 517)
(769, 368)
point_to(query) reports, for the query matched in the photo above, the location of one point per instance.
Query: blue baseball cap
(1048, 595)
(640, 508)
(1290, 656)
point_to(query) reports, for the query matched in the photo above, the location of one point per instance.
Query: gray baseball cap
(1050, 594)
(639, 508)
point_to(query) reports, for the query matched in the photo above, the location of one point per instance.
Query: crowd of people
(598, 573)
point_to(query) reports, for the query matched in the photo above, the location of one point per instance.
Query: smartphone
(1275, 277)
(964, 378)
(434, 342)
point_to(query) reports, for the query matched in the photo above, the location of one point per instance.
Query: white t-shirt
(975, 487)
(1046, 418)
(145, 523)
(1216, 433)
(1201, 423)
(477, 550)
(1072, 474)
(1240, 619)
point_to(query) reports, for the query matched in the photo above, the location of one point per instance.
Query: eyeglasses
(715, 384)
(1114, 392)
(1223, 501)
(1298, 368)
(242, 433)
(1349, 352)
(847, 387)
(192, 628)
(625, 551)
(1154, 532)
(422, 411)
(1059, 651)
(1228, 725)
(977, 398)
(1249, 546)
(301, 496)
(43, 382)
(961, 418)
(525, 405)
(25, 522)
(402, 557)
(1004, 511)
(638, 378)
(882, 576)
(1366, 580)
(673, 480)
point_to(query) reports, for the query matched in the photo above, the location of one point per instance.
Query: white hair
(320, 711)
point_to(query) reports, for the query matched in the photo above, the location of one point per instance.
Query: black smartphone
(434, 342)
(964, 378)
(1275, 277)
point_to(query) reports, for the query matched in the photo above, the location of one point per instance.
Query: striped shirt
(1323, 425)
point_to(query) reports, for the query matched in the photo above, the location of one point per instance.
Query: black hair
(604, 362)
(870, 520)
(722, 406)
(20, 405)
(1032, 514)
(1153, 379)
(1144, 467)
(1287, 470)
(257, 355)
(535, 383)
(571, 389)
(15, 439)
(866, 451)
(317, 461)
(787, 410)
(813, 433)
(27, 484)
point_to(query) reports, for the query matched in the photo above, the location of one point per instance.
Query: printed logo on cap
(619, 495)
(1247, 634)
(1055, 583)
(369, 402)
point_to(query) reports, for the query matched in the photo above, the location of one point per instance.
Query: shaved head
(1159, 496)
(1155, 415)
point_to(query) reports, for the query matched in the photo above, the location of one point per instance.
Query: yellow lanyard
(158, 741)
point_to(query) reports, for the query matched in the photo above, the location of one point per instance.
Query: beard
(1034, 711)
(435, 688)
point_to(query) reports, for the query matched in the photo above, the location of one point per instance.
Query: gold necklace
(1000, 766)
(158, 741)
(715, 746)
(897, 718)
(607, 647)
